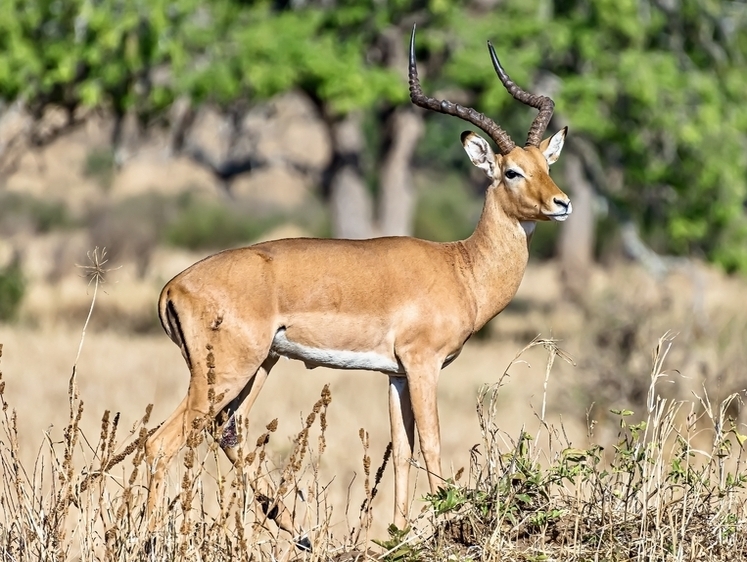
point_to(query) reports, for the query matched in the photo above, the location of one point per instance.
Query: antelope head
(520, 174)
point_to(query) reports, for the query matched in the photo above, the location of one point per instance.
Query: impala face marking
(398, 305)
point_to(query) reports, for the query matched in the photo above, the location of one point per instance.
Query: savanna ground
(623, 455)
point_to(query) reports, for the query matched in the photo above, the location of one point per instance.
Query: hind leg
(213, 384)
(235, 413)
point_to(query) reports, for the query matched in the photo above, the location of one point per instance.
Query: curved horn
(543, 103)
(501, 138)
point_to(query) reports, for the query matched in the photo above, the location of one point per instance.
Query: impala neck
(498, 253)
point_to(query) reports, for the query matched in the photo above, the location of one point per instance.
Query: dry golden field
(125, 373)
(610, 341)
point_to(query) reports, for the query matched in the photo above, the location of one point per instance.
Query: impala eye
(512, 174)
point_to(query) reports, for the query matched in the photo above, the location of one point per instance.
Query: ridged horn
(543, 103)
(501, 138)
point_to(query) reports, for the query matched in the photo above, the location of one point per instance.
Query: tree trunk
(405, 127)
(16, 124)
(351, 202)
(576, 239)
(350, 199)
(397, 193)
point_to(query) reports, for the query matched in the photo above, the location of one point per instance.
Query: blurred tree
(655, 87)
(653, 90)
(349, 59)
(78, 54)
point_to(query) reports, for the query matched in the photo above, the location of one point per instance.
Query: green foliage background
(12, 289)
(657, 87)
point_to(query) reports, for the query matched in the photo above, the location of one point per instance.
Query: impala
(398, 305)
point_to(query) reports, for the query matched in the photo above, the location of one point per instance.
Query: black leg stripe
(176, 325)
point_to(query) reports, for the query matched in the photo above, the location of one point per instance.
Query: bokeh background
(165, 130)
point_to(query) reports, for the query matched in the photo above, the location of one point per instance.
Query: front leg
(422, 380)
(403, 441)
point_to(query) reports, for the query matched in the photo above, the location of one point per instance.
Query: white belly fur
(336, 359)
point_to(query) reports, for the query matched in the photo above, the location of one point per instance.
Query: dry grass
(662, 483)
(84, 499)
(658, 495)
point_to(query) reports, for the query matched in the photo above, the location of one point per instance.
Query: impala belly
(341, 358)
(334, 358)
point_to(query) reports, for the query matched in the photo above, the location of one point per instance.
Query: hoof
(304, 544)
(149, 546)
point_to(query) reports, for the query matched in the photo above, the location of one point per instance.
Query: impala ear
(551, 146)
(479, 152)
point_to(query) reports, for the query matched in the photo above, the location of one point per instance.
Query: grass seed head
(146, 417)
(263, 439)
(326, 395)
(112, 433)
(384, 462)
(103, 437)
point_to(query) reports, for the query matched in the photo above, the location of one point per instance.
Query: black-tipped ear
(552, 146)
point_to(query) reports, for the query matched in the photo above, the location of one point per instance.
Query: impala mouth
(561, 215)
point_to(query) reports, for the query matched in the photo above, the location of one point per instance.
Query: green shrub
(188, 220)
(201, 225)
(99, 165)
(131, 228)
(446, 210)
(12, 288)
(20, 211)
(544, 241)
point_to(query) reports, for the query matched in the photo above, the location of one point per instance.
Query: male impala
(397, 305)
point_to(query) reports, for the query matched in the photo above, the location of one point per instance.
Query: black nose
(562, 202)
